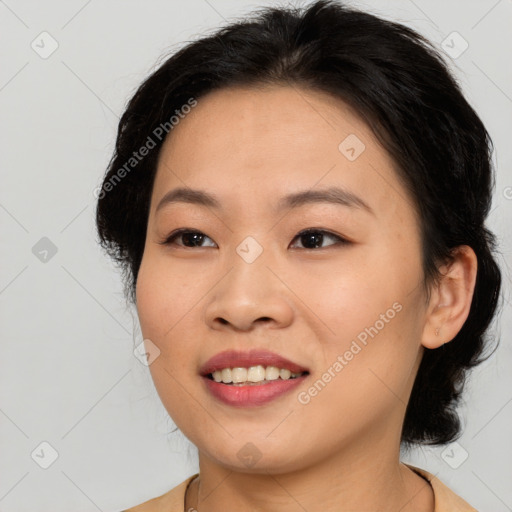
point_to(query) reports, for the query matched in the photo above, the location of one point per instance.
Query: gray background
(68, 376)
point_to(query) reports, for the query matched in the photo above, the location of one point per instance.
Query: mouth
(248, 379)
(253, 375)
(232, 366)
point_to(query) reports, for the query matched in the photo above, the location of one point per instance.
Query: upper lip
(241, 359)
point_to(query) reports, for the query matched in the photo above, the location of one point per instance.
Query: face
(331, 283)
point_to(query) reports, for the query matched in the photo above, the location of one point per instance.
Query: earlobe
(451, 299)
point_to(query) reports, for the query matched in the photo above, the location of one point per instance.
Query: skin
(250, 147)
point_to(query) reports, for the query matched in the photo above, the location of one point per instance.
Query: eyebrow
(332, 195)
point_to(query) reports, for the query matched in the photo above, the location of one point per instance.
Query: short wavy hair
(401, 87)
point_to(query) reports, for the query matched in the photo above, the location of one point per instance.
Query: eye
(310, 238)
(190, 238)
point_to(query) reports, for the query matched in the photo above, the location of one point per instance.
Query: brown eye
(314, 238)
(190, 238)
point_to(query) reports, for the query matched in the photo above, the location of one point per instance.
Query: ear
(451, 298)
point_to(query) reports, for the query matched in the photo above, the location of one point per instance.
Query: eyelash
(170, 240)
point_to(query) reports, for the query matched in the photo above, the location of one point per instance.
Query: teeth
(285, 374)
(256, 374)
(252, 374)
(239, 375)
(271, 373)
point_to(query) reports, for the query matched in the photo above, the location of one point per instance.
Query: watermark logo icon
(351, 147)
(454, 455)
(146, 352)
(44, 45)
(44, 250)
(44, 455)
(249, 249)
(454, 45)
(249, 454)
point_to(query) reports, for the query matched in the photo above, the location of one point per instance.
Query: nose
(249, 295)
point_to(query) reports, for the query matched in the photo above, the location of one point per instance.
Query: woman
(298, 202)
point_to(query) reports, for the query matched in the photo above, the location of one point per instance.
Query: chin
(257, 457)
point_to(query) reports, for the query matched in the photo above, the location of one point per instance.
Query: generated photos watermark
(158, 134)
(357, 345)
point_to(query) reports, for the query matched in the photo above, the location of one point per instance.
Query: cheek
(165, 296)
(168, 299)
(345, 297)
(367, 315)
(163, 301)
(366, 374)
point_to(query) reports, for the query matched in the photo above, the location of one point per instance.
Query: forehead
(261, 143)
(266, 123)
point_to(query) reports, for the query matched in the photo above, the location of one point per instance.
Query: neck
(352, 479)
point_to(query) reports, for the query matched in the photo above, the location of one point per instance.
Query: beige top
(445, 500)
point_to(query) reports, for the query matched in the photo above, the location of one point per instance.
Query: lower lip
(252, 395)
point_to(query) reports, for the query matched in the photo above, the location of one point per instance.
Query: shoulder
(445, 499)
(171, 501)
